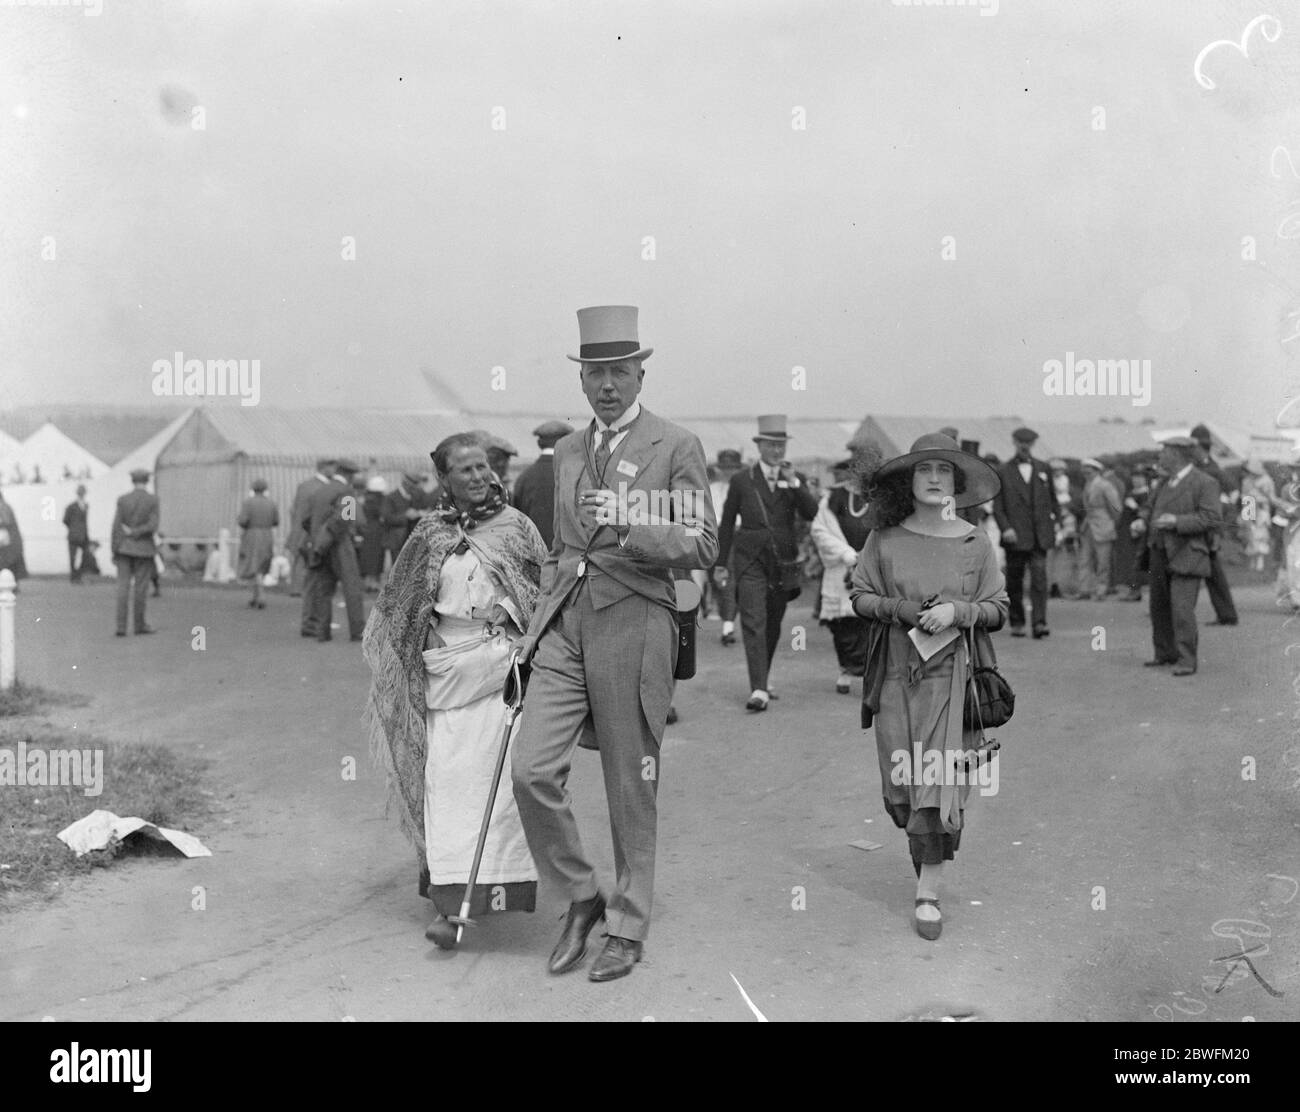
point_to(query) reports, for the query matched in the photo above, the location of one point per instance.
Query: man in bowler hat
(603, 638)
(535, 489)
(134, 526)
(1026, 512)
(1179, 527)
(760, 552)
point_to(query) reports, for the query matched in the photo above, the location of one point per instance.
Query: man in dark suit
(134, 526)
(297, 514)
(759, 555)
(535, 488)
(331, 523)
(1026, 512)
(75, 521)
(1216, 586)
(1179, 526)
(401, 510)
(632, 503)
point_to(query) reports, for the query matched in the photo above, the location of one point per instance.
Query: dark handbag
(688, 606)
(990, 701)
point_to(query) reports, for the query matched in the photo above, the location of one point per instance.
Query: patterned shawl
(509, 545)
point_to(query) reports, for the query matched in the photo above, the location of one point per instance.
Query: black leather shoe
(672, 716)
(146, 629)
(1158, 663)
(572, 947)
(1216, 622)
(1040, 632)
(728, 638)
(121, 633)
(616, 959)
(1017, 631)
(1183, 670)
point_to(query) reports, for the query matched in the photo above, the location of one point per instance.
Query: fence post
(7, 603)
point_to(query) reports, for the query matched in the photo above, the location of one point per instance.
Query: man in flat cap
(498, 450)
(1225, 610)
(402, 508)
(535, 488)
(1026, 512)
(1179, 525)
(132, 541)
(297, 533)
(603, 638)
(1101, 509)
(333, 513)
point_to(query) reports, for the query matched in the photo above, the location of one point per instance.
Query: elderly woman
(258, 517)
(924, 570)
(438, 643)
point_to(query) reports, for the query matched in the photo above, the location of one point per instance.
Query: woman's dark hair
(891, 497)
(441, 455)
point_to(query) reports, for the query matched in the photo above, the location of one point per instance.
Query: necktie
(603, 453)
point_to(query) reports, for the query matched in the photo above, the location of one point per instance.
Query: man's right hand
(1009, 536)
(720, 576)
(523, 649)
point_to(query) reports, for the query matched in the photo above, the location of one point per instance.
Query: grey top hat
(982, 482)
(771, 426)
(608, 333)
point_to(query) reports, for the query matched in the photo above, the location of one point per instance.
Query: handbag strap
(970, 680)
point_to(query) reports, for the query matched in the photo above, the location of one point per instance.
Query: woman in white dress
(438, 644)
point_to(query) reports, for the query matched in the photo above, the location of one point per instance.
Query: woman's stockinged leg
(927, 887)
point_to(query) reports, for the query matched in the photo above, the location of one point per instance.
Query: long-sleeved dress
(258, 517)
(897, 570)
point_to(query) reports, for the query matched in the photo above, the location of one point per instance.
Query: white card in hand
(927, 644)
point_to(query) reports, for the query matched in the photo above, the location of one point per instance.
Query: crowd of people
(915, 559)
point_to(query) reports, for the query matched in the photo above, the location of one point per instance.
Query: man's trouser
(724, 598)
(1173, 612)
(1220, 594)
(762, 610)
(1095, 557)
(589, 668)
(133, 573)
(77, 553)
(1036, 561)
(338, 569)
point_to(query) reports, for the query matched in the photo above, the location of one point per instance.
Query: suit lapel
(639, 448)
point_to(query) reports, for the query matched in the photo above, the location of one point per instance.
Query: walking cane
(513, 694)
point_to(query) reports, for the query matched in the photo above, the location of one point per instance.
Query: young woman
(438, 643)
(923, 568)
(258, 517)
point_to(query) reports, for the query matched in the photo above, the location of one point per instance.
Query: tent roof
(106, 432)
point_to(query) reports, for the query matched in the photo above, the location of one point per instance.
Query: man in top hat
(760, 553)
(1180, 522)
(603, 638)
(1225, 610)
(75, 520)
(1026, 512)
(1101, 509)
(331, 524)
(134, 525)
(724, 592)
(535, 488)
(297, 534)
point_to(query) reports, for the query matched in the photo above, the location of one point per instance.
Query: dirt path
(1112, 777)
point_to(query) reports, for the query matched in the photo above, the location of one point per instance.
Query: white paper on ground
(99, 828)
(927, 644)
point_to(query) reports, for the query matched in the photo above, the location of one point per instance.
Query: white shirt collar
(629, 415)
(546, 451)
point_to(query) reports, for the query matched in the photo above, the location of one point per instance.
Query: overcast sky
(774, 246)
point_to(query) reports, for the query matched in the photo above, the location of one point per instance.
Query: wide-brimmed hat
(771, 426)
(729, 457)
(608, 333)
(982, 482)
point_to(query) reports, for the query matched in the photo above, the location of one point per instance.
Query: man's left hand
(603, 507)
(1166, 521)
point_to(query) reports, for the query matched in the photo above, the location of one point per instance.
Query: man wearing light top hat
(603, 639)
(760, 553)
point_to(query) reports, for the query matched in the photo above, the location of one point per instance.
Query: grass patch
(150, 781)
(26, 698)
